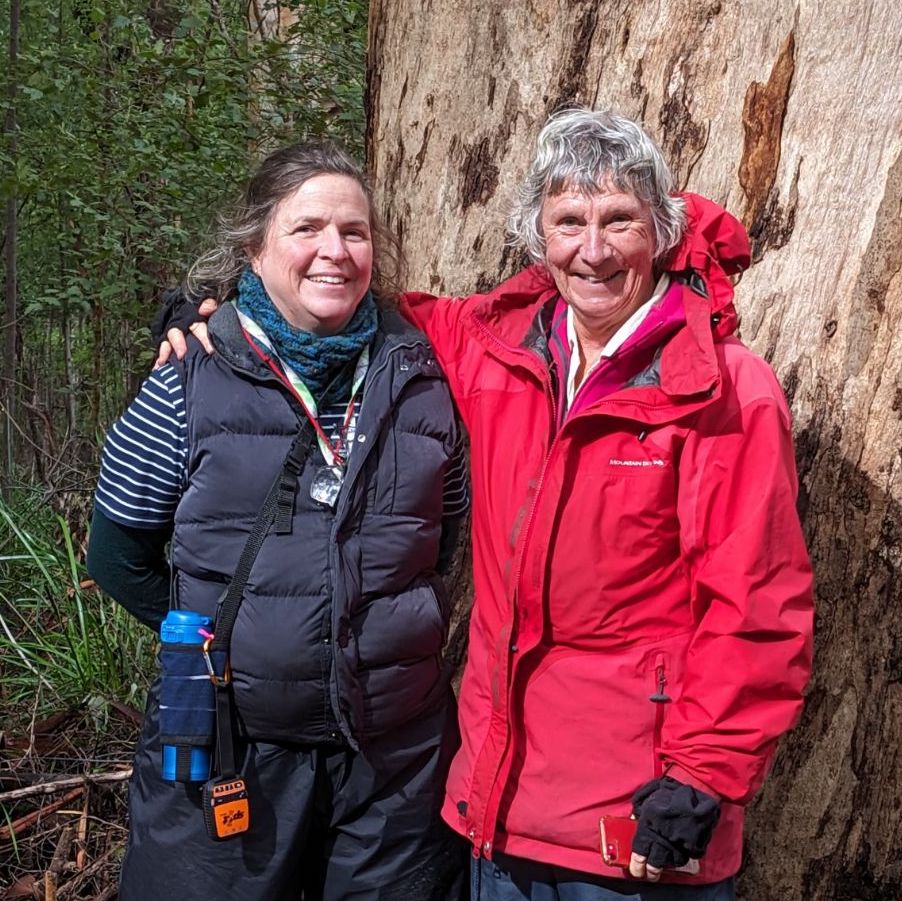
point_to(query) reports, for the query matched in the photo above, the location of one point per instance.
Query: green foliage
(62, 645)
(137, 121)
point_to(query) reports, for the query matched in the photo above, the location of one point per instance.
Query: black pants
(327, 824)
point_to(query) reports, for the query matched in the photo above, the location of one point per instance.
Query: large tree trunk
(789, 115)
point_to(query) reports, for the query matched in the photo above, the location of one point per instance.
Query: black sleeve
(130, 565)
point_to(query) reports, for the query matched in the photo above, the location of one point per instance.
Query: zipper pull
(660, 696)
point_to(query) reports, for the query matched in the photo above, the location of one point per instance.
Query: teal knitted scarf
(323, 362)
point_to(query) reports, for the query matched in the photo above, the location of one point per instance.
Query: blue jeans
(515, 879)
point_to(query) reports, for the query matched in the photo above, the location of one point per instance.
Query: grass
(62, 643)
(72, 665)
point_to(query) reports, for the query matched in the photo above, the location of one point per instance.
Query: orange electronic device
(226, 808)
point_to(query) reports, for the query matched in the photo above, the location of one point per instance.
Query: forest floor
(63, 788)
(74, 671)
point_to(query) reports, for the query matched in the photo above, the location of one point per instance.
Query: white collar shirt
(615, 342)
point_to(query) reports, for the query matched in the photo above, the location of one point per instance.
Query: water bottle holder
(187, 701)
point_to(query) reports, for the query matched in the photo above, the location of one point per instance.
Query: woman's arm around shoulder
(441, 318)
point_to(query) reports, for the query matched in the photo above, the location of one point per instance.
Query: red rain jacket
(649, 547)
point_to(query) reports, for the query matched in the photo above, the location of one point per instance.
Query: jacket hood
(716, 246)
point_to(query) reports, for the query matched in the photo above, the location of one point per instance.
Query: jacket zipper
(371, 377)
(341, 510)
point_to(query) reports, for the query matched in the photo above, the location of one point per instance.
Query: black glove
(676, 822)
(176, 311)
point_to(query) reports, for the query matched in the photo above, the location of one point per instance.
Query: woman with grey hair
(641, 627)
(309, 480)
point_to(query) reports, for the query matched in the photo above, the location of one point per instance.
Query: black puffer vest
(343, 620)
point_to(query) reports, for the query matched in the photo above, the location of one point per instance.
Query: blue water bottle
(187, 716)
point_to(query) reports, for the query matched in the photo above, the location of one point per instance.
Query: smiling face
(599, 248)
(317, 258)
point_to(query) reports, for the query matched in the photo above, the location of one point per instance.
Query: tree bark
(789, 115)
(267, 20)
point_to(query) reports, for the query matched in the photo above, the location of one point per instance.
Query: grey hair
(241, 232)
(580, 149)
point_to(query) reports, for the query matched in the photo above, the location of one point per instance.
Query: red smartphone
(617, 840)
(617, 844)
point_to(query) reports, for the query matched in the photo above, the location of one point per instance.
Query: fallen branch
(17, 827)
(81, 839)
(60, 855)
(128, 712)
(109, 892)
(49, 788)
(71, 887)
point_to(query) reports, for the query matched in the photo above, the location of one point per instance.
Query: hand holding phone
(617, 844)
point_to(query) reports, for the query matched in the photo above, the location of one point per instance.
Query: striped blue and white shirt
(143, 469)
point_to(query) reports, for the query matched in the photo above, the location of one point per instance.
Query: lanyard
(333, 453)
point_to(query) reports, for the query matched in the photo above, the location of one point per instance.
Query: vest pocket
(409, 625)
(399, 645)
(399, 692)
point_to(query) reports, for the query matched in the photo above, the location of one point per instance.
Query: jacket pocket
(407, 626)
